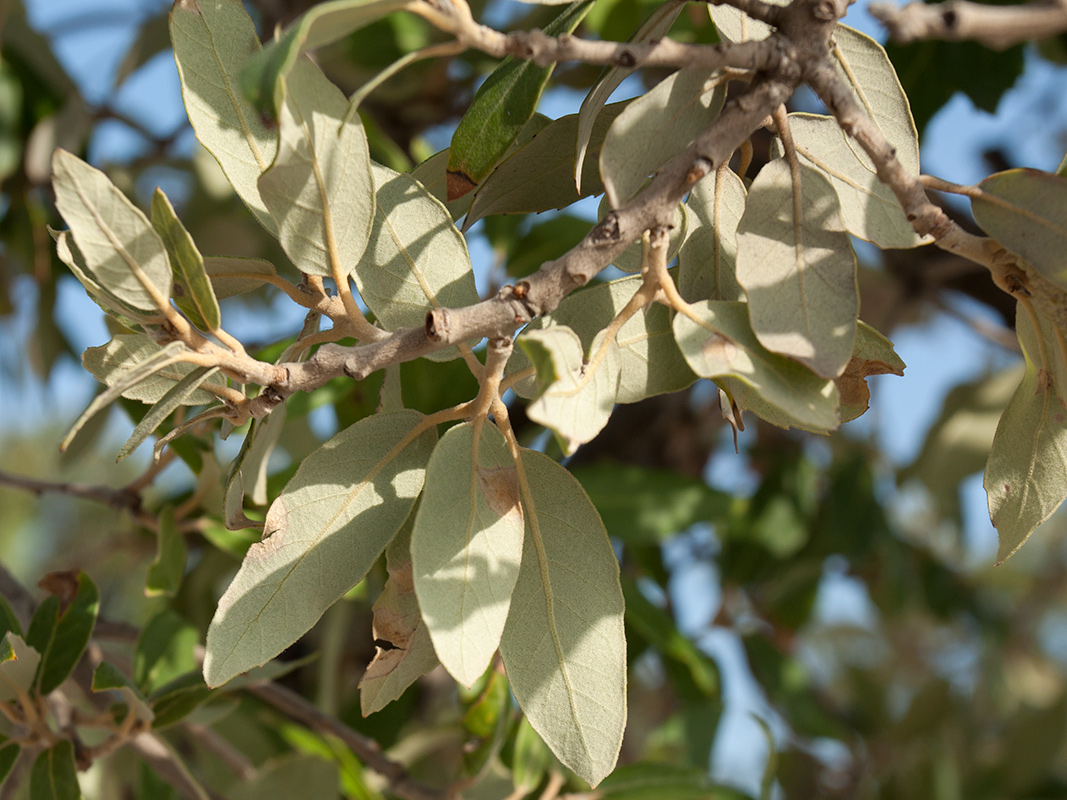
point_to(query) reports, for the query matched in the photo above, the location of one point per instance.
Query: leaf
(734, 25)
(264, 76)
(166, 571)
(234, 276)
(593, 105)
(500, 108)
(405, 651)
(722, 345)
(319, 188)
(122, 252)
(655, 127)
(869, 209)
(18, 666)
(126, 314)
(1024, 475)
(540, 175)
(707, 263)
(432, 175)
(650, 362)
(799, 273)
(416, 259)
(213, 40)
(174, 701)
(563, 647)
(573, 398)
(290, 776)
(112, 362)
(632, 258)
(872, 354)
(107, 677)
(176, 396)
(531, 759)
(329, 525)
(466, 547)
(164, 651)
(54, 775)
(646, 506)
(656, 781)
(1025, 210)
(196, 300)
(9, 754)
(61, 626)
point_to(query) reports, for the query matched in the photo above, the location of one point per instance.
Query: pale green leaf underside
(398, 621)
(466, 547)
(121, 250)
(799, 274)
(723, 346)
(564, 647)
(577, 404)
(416, 260)
(109, 363)
(232, 276)
(736, 26)
(319, 189)
(654, 27)
(708, 261)
(331, 522)
(18, 670)
(1026, 211)
(177, 395)
(69, 254)
(213, 40)
(1024, 476)
(869, 209)
(654, 128)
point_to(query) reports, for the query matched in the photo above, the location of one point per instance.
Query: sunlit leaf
(61, 626)
(722, 345)
(573, 398)
(121, 250)
(264, 77)
(798, 271)
(1026, 211)
(329, 525)
(707, 263)
(112, 362)
(1024, 475)
(196, 300)
(405, 651)
(872, 354)
(466, 547)
(126, 314)
(500, 108)
(213, 40)
(319, 188)
(655, 127)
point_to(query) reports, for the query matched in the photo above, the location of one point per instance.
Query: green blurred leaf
(107, 677)
(289, 777)
(54, 775)
(164, 651)
(61, 626)
(9, 754)
(563, 646)
(166, 571)
(175, 700)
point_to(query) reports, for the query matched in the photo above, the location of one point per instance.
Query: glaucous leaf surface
(734, 25)
(405, 651)
(466, 547)
(869, 209)
(329, 525)
(126, 314)
(176, 396)
(872, 354)
(1026, 211)
(213, 40)
(110, 363)
(707, 263)
(501, 107)
(539, 176)
(650, 362)
(654, 128)
(796, 265)
(319, 188)
(196, 298)
(416, 260)
(61, 626)
(593, 105)
(54, 775)
(723, 345)
(18, 666)
(263, 79)
(1024, 475)
(574, 399)
(121, 250)
(232, 276)
(564, 647)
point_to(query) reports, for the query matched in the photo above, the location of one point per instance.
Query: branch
(997, 27)
(117, 499)
(367, 750)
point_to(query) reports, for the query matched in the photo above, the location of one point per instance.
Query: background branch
(997, 27)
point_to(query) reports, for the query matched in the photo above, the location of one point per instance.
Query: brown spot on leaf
(500, 488)
(396, 618)
(457, 184)
(719, 348)
(852, 383)
(1044, 381)
(64, 585)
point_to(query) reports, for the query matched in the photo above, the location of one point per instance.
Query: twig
(117, 499)
(366, 749)
(997, 27)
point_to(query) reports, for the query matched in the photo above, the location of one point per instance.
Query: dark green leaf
(166, 571)
(54, 775)
(61, 626)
